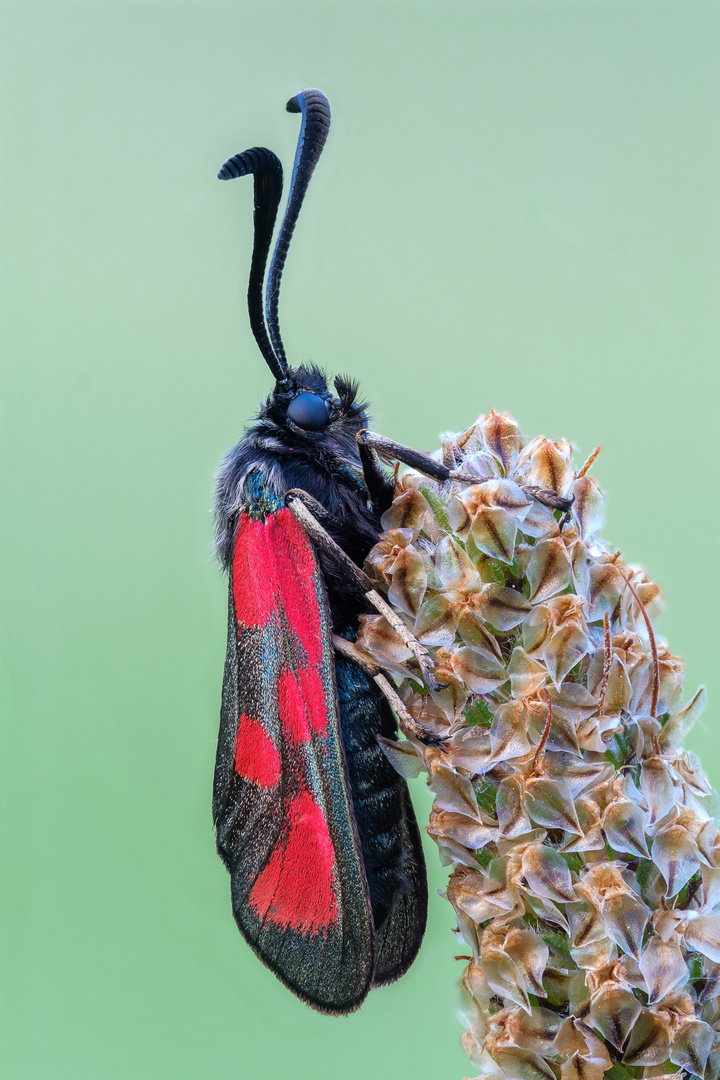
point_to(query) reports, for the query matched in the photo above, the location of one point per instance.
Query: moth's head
(305, 407)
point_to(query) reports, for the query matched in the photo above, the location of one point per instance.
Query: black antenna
(315, 110)
(267, 170)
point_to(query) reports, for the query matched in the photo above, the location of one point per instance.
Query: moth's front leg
(408, 722)
(373, 447)
(380, 487)
(307, 510)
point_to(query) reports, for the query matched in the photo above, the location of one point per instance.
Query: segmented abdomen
(379, 793)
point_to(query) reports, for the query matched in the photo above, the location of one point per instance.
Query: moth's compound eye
(308, 411)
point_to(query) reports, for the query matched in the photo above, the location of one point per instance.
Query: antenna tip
(230, 169)
(309, 98)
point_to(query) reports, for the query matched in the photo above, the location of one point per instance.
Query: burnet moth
(313, 823)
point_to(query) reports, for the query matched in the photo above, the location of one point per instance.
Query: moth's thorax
(259, 496)
(269, 461)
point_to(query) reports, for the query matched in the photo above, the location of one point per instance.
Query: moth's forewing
(282, 806)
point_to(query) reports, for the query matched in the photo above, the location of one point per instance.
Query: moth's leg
(318, 511)
(407, 722)
(299, 503)
(373, 447)
(379, 486)
(548, 497)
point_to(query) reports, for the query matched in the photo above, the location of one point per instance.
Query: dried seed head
(583, 839)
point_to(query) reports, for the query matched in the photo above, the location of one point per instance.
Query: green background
(517, 207)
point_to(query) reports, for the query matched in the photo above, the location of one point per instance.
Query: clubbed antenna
(315, 110)
(267, 170)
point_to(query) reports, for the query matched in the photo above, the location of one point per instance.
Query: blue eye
(308, 411)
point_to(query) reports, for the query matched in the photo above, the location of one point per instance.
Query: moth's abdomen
(379, 793)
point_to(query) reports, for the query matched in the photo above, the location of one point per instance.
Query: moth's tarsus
(548, 497)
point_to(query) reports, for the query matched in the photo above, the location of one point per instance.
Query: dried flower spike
(582, 838)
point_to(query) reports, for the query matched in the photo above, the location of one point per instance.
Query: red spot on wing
(256, 757)
(274, 568)
(295, 570)
(292, 707)
(296, 889)
(273, 561)
(311, 688)
(302, 703)
(254, 584)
